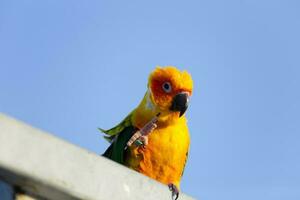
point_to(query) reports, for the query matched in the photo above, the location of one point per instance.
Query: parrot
(154, 138)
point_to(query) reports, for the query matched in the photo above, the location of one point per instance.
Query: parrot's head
(169, 90)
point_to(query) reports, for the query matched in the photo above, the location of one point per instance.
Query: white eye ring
(167, 87)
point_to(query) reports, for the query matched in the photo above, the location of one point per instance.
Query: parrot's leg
(143, 137)
(140, 138)
(175, 191)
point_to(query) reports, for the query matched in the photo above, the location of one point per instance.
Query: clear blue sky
(68, 67)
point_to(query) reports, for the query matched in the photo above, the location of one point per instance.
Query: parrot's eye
(167, 87)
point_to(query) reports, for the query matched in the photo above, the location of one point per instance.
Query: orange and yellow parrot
(161, 147)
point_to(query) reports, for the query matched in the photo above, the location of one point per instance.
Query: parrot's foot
(142, 141)
(175, 191)
(140, 138)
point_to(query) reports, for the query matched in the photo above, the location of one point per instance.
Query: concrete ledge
(49, 167)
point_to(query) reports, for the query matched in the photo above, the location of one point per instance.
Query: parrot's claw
(142, 141)
(175, 191)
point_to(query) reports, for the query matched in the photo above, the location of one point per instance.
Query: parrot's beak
(180, 103)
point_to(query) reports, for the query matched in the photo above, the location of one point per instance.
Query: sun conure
(165, 149)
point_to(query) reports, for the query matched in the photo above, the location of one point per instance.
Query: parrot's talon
(142, 141)
(175, 191)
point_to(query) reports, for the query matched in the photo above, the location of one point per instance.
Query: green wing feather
(116, 151)
(119, 136)
(113, 132)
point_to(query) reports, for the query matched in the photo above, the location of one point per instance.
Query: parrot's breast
(165, 155)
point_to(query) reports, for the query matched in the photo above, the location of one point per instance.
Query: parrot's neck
(147, 110)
